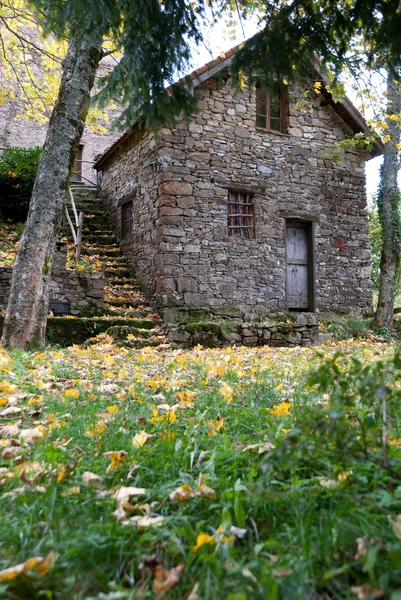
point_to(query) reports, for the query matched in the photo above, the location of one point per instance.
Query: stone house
(15, 130)
(239, 212)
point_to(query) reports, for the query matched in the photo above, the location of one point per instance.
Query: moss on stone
(62, 331)
(202, 326)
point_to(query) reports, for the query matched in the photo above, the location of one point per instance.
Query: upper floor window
(240, 215)
(126, 219)
(271, 111)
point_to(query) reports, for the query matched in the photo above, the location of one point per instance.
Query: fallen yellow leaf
(144, 521)
(116, 458)
(165, 579)
(226, 391)
(123, 494)
(141, 438)
(182, 493)
(202, 539)
(37, 563)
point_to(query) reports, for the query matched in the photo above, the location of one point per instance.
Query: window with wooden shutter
(126, 219)
(271, 111)
(240, 215)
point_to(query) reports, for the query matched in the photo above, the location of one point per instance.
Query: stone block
(242, 132)
(170, 210)
(325, 337)
(186, 284)
(194, 299)
(176, 188)
(178, 335)
(186, 202)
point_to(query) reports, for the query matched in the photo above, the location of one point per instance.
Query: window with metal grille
(240, 214)
(126, 219)
(271, 111)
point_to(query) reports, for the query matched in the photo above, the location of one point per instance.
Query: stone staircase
(124, 300)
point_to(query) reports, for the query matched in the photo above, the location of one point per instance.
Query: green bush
(376, 244)
(18, 168)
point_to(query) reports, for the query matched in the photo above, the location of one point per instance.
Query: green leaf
(239, 512)
(334, 572)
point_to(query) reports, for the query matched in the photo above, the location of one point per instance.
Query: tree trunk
(26, 315)
(389, 200)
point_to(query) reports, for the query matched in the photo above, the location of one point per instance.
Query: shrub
(18, 168)
(376, 244)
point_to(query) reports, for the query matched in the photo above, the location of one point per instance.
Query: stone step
(120, 334)
(120, 283)
(132, 314)
(95, 210)
(102, 247)
(131, 303)
(98, 214)
(117, 273)
(100, 241)
(68, 331)
(103, 251)
(95, 235)
(88, 207)
(114, 263)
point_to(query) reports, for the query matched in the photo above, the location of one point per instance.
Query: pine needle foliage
(294, 32)
(153, 42)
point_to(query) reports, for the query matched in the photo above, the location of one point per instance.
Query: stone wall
(5, 283)
(303, 332)
(129, 177)
(82, 290)
(15, 130)
(180, 242)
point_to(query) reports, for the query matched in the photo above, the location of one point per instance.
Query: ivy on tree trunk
(389, 208)
(26, 315)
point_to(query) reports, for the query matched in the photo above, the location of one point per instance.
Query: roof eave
(345, 109)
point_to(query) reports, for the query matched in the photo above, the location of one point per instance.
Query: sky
(218, 40)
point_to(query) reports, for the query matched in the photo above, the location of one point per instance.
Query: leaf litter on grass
(197, 457)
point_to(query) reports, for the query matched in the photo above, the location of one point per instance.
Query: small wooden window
(271, 111)
(126, 219)
(240, 215)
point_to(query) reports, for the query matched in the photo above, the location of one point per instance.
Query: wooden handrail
(74, 208)
(79, 221)
(79, 236)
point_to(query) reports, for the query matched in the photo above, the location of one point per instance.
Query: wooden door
(298, 253)
(77, 168)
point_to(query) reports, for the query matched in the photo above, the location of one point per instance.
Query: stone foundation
(304, 331)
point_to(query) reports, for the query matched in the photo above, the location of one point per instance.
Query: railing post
(74, 207)
(79, 237)
(67, 214)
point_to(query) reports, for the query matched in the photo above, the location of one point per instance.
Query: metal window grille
(271, 111)
(240, 215)
(126, 219)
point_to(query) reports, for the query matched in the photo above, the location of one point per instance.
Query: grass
(301, 514)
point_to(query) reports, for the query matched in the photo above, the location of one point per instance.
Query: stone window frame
(241, 223)
(263, 111)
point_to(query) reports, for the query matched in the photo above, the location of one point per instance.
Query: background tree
(356, 35)
(154, 40)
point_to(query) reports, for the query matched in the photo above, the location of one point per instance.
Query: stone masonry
(83, 291)
(303, 332)
(179, 243)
